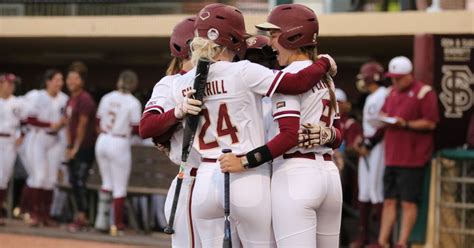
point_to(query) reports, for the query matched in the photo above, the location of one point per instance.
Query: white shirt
(309, 107)
(232, 112)
(12, 111)
(118, 113)
(47, 108)
(373, 105)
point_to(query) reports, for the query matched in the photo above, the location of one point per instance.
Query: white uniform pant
(23, 151)
(185, 234)
(306, 203)
(250, 206)
(7, 160)
(114, 157)
(371, 170)
(44, 157)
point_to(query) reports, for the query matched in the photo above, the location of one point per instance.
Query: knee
(408, 205)
(389, 203)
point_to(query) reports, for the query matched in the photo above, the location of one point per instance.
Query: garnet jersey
(118, 113)
(312, 106)
(232, 112)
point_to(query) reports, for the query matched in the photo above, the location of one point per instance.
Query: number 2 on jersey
(222, 118)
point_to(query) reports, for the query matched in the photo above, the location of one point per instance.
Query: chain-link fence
(455, 199)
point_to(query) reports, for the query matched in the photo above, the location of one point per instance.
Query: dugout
(440, 44)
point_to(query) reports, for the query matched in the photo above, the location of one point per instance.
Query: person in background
(412, 108)
(371, 153)
(80, 112)
(11, 114)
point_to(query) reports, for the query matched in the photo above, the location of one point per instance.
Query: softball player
(12, 111)
(185, 234)
(232, 118)
(44, 154)
(118, 117)
(304, 214)
(371, 161)
(24, 207)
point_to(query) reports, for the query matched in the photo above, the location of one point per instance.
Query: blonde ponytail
(203, 48)
(175, 66)
(312, 53)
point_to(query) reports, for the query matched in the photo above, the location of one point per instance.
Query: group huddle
(271, 101)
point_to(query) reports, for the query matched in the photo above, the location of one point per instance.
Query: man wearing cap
(408, 136)
(12, 111)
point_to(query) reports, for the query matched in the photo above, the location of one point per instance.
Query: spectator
(408, 147)
(80, 112)
(371, 152)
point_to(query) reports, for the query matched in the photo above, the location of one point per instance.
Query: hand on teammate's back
(188, 106)
(311, 135)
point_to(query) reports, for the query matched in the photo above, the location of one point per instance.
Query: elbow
(143, 131)
(143, 128)
(432, 126)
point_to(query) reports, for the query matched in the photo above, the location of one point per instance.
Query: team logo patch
(280, 104)
(213, 34)
(251, 41)
(258, 157)
(204, 15)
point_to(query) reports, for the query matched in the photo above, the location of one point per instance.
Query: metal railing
(455, 199)
(116, 7)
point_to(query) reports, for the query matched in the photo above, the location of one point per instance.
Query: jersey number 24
(222, 130)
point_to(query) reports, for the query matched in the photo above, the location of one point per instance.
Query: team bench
(151, 174)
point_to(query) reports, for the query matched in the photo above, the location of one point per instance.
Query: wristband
(258, 156)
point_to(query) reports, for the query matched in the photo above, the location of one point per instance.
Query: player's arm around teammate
(306, 193)
(162, 113)
(238, 86)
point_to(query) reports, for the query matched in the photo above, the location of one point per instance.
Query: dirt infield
(17, 234)
(16, 240)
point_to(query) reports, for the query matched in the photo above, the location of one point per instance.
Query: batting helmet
(183, 34)
(10, 77)
(257, 42)
(224, 25)
(298, 25)
(370, 72)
